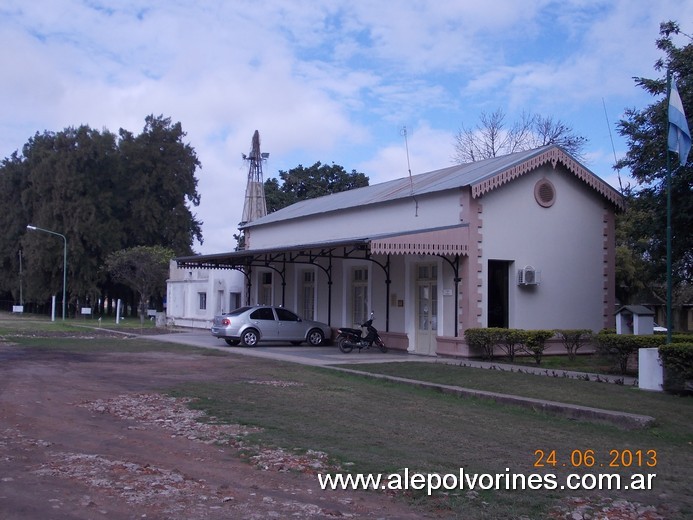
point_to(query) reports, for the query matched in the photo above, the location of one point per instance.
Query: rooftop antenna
(613, 148)
(411, 180)
(255, 205)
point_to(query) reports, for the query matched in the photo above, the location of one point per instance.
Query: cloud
(322, 80)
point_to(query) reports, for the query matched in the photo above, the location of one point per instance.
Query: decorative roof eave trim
(450, 240)
(553, 155)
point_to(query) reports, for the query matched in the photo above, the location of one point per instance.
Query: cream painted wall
(436, 210)
(564, 242)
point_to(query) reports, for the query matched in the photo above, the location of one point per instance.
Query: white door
(426, 309)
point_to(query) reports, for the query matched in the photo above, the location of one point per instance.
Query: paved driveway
(304, 354)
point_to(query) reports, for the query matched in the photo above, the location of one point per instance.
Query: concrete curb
(624, 420)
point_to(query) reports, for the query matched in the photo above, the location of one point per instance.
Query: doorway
(498, 285)
(426, 308)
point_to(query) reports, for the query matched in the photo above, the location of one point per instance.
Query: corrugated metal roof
(438, 180)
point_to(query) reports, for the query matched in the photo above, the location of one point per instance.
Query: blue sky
(324, 80)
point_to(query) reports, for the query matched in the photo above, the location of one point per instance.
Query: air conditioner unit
(528, 276)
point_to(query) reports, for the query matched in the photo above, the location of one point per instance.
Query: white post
(118, 312)
(650, 370)
(53, 308)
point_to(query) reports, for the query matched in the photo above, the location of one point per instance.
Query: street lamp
(34, 228)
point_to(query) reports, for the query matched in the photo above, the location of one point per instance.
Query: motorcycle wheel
(343, 345)
(382, 346)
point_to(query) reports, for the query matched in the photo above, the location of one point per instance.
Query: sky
(335, 81)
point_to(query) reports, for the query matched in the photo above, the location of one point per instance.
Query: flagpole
(669, 282)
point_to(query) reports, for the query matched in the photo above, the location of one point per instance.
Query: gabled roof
(481, 176)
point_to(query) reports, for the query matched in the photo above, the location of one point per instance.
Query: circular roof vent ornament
(544, 193)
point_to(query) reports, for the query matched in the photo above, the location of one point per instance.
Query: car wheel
(232, 342)
(249, 338)
(315, 337)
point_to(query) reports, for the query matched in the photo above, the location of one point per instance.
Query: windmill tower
(255, 205)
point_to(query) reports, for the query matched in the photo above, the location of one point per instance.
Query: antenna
(411, 180)
(613, 148)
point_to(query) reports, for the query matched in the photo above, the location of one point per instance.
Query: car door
(264, 321)
(291, 328)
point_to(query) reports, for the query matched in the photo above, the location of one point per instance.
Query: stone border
(624, 420)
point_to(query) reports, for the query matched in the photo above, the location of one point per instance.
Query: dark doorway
(498, 283)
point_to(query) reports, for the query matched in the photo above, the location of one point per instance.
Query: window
(234, 300)
(285, 315)
(203, 300)
(544, 193)
(263, 313)
(359, 295)
(265, 293)
(307, 295)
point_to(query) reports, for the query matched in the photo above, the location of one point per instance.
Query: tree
(307, 183)
(160, 169)
(491, 137)
(104, 192)
(143, 269)
(642, 229)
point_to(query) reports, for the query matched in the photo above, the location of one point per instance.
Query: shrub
(574, 339)
(510, 340)
(677, 359)
(620, 347)
(535, 343)
(483, 339)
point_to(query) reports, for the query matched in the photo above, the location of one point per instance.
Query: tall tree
(646, 133)
(492, 136)
(160, 172)
(104, 192)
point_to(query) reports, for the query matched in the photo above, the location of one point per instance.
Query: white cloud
(322, 80)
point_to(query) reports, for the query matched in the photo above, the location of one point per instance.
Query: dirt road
(86, 436)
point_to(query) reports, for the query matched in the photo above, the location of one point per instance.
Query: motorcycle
(348, 339)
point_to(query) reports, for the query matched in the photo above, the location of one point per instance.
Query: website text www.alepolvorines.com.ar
(433, 482)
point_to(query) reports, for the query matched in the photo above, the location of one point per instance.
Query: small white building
(194, 296)
(522, 241)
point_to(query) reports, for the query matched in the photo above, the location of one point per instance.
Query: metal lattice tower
(255, 205)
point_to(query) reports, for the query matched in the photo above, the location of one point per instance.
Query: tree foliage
(143, 269)
(492, 136)
(307, 183)
(642, 229)
(302, 183)
(104, 192)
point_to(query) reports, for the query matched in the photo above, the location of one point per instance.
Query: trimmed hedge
(574, 339)
(510, 340)
(677, 359)
(620, 347)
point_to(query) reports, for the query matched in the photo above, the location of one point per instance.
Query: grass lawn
(384, 427)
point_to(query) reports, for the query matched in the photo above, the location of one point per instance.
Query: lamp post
(34, 228)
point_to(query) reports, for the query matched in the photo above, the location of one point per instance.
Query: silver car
(248, 325)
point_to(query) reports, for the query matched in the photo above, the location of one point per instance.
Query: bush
(574, 339)
(620, 347)
(510, 340)
(535, 343)
(677, 359)
(483, 339)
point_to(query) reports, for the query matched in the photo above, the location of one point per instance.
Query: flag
(679, 134)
